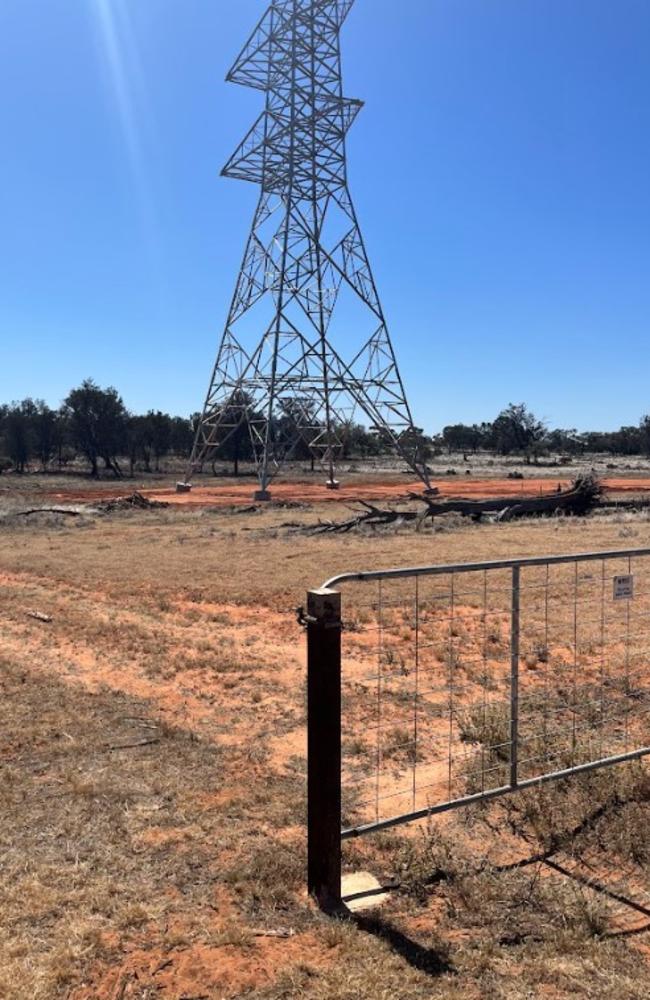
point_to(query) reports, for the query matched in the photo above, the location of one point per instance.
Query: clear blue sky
(501, 170)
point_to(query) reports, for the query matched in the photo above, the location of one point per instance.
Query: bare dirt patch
(238, 494)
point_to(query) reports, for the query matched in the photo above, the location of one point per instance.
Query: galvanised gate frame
(468, 682)
(324, 355)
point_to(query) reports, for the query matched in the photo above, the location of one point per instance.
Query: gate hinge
(304, 620)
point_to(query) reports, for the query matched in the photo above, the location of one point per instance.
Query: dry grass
(153, 870)
(269, 563)
(79, 877)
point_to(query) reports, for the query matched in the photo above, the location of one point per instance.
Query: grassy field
(152, 751)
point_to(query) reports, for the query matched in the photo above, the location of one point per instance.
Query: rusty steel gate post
(324, 747)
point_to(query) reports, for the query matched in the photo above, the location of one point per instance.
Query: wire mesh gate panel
(463, 683)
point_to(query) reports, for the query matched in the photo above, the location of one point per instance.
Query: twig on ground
(68, 511)
(133, 746)
(275, 933)
(39, 616)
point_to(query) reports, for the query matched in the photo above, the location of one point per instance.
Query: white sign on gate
(623, 588)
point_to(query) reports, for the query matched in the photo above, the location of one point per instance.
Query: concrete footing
(333, 484)
(183, 487)
(362, 891)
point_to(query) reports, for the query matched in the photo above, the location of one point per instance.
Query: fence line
(436, 687)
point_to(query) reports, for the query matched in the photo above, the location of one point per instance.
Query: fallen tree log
(582, 497)
(578, 500)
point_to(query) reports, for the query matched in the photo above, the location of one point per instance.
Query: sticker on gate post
(623, 588)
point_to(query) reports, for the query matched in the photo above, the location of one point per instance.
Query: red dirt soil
(190, 972)
(241, 494)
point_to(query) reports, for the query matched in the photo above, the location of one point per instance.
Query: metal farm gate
(436, 687)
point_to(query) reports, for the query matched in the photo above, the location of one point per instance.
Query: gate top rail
(440, 569)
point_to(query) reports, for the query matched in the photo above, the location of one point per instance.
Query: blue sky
(500, 170)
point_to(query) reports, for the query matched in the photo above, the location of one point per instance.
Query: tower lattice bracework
(306, 349)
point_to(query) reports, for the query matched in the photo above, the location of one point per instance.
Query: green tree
(645, 434)
(98, 424)
(418, 444)
(148, 437)
(156, 435)
(627, 441)
(465, 438)
(595, 441)
(137, 442)
(362, 443)
(18, 433)
(566, 442)
(237, 447)
(62, 442)
(517, 430)
(182, 435)
(5, 461)
(44, 425)
(300, 422)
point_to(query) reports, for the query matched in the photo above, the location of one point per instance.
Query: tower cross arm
(266, 47)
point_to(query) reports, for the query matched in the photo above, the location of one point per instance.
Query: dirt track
(229, 494)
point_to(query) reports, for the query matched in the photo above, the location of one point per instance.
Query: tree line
(517, 431)
(94, 424)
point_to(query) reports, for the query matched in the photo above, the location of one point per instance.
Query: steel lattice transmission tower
(306, 348)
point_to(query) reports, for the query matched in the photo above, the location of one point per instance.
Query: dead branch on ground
(583, 496)
(136, 501)
(68, 511)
